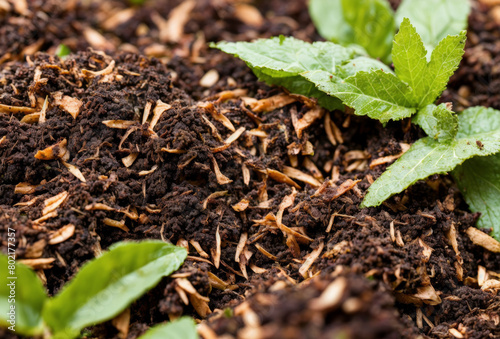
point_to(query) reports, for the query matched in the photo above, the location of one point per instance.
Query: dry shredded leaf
(210, 78)
(481, 239)
(217, 255)
(122, 322)
(43, 112)
(265, 252)
(428, 295)
(213, 196)
(241, 205)
(210, 108)
(171, 30)
(97, 41)
(241, 245)
(198, 248)
(143, 173)
(345, 187)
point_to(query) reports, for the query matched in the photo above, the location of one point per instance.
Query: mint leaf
(427, 80)
(479, 182)
(281, 61)
(117, 278)
(435, 19)
(408, 56)
(368, 23)
(438, 122)
(377, 94)
(183, 328)
(28, 299)
(478, 135)
(444, 61)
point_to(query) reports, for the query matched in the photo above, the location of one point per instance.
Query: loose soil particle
(405, 269)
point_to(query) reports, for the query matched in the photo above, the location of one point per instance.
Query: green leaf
(435, 19)
(281, 61)
(183, 328)
(27, 299)
(107, 285)
(62, 50)
(479, 182)
(377, 94)
(408, 56)
(478, 135)
(427, 80)
(444, 62)
(367, 23)
(438, 122)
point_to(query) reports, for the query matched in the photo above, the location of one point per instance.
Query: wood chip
(119, 124)
(307, 120)
(481, 239)
(271, 103)
(16, 109)
(294, 173)
(56, 151)
(62, 234)
(389, 158)
(241, 205)
(51, 204)
(172, 30)
(129, 159)
(38, 264)
(107, 70)
(217, 255)
(280, 177)
(159, 109)
(25, 188)
(221, 178)
(115, 223)
(304, 269)
(74, 170)
(248, 14)
(213, 196)
(209, 79)
(214, 112)
(331, 296)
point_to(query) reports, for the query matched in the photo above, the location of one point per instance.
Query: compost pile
(144, 133)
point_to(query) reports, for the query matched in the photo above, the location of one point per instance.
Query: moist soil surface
(148, 134)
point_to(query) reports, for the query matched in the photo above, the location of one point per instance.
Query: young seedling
(101, 290)
(371, 89)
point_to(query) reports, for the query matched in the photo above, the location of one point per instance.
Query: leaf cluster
(101, 290)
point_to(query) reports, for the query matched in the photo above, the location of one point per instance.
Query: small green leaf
(22, 297)
(427, 80)
(438, 122)
(435, 19)
(408, 56)
(478, 135)
(377, 94)
(479, 182)
(444, 61)
(367, 23)
(108, 284)
(62, 50)
(183, 328)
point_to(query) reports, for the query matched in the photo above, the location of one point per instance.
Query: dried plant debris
(262, 187)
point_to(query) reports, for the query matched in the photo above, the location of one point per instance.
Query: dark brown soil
(403, 270)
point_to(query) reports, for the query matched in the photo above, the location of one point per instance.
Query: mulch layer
(145, 133)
